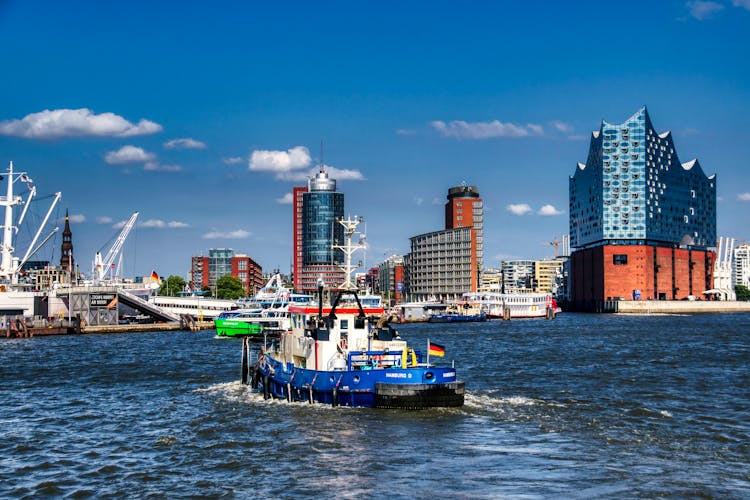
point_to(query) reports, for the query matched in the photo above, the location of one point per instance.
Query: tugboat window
(620, 259)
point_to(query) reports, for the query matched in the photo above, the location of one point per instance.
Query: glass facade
(633, 189)
(322, 207)
(219, 264)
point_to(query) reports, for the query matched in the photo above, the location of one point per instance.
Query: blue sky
(204, 116)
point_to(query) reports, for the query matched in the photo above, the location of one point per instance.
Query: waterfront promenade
(680, 306)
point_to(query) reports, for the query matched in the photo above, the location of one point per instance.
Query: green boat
(229, 327)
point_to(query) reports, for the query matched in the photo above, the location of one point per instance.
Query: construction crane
(555, 243)
(101, 265)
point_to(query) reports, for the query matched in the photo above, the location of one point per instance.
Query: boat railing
(368, 360)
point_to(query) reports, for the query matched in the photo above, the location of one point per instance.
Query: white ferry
(195, 305)
(512, 305)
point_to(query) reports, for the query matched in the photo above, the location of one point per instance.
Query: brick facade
(612, 272)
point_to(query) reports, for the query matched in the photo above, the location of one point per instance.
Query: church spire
(66, 259)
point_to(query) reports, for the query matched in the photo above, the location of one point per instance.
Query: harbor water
(592, 406)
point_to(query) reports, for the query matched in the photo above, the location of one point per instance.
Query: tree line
(227, 287)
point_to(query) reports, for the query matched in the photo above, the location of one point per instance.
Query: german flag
(155, 276)
(435, 349)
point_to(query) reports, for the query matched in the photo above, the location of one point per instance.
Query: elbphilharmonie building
(643, 224)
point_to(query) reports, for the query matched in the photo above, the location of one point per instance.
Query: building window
(620, 259)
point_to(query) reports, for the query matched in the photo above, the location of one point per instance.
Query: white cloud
(128, 154)
(563, 127)
(418, 201)
(58, 123)
(104, 220)
(185, 143)
(155, 166)
(155, 223)
(293, 165)
(745, 4)
(701, 10)
(460, 129)
(535, 129)
(519, 209)
(340, 174)
(292, 159)
(77, 218)
(344, 174)
(287, 199)
(233, 160)
(405, 131)
(437, 201)
(549, 210)
(177, 224)
(238, 234)
(743, 197)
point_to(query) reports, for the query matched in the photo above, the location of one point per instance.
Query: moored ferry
(512, 305)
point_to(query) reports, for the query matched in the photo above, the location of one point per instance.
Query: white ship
(517, 305)
(197, 306)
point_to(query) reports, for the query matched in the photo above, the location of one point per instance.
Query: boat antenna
(322, 163)
(350, 228)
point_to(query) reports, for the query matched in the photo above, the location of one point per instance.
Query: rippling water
(583, 406)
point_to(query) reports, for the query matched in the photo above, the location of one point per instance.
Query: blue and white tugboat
(347, 354)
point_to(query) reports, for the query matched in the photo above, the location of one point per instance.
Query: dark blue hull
(415, 387)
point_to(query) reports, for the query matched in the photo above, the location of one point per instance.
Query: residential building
(741, 274)
(518, 276)
(454, 255)
(547, 275)
(441, 265)
(205, 271)
(724, 269)
(642, 224)
(391, 278)
(248, 272)
(372, 280)
(491, 280)
(199, 272)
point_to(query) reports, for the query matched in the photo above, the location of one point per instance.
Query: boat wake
(491, 402)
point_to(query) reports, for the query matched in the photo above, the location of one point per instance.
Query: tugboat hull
(432, 387)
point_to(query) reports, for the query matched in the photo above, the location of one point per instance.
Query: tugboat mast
(350, 229)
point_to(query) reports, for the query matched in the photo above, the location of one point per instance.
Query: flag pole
(428, 352)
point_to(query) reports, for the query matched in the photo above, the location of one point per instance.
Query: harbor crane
(102, 265)
(10, 264)
(556, 243)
